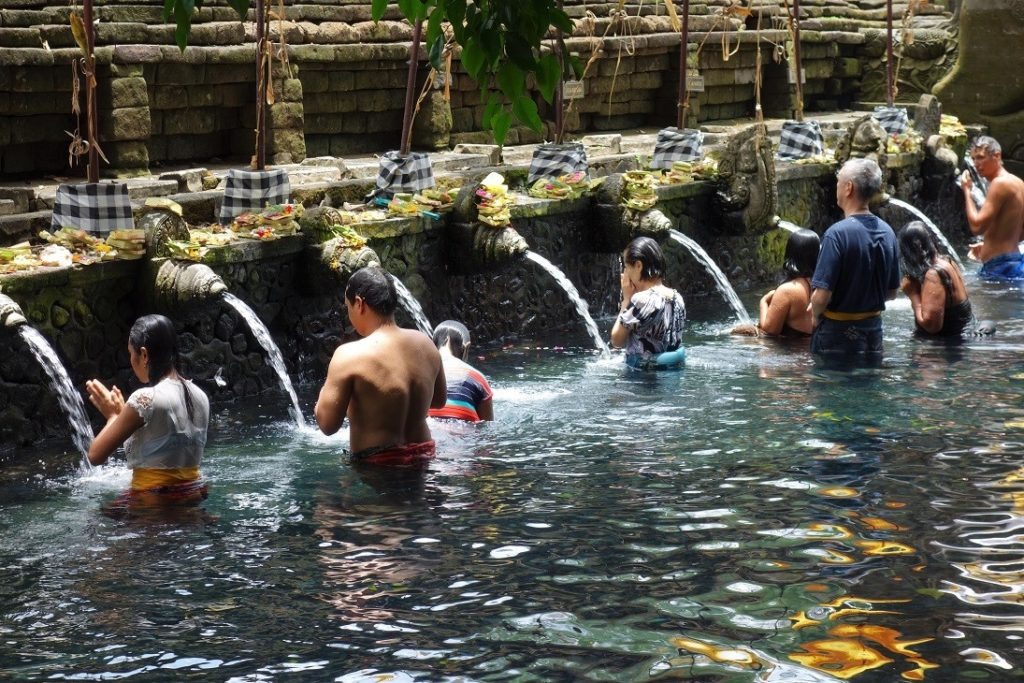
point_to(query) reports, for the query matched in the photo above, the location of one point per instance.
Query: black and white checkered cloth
(551, 160)
(93, 207)
(397, 173)
(252, 191)
(675, 145)
(800, 140)
(892, 119)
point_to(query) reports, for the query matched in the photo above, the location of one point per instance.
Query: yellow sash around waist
(144, 478)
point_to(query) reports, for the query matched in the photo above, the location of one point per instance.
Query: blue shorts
(1004, 267)
(848, 338)
(669, 360)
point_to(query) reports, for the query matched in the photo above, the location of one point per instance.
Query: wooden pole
(799, 67)
(410, 88)
(261, 87)
(92, 125)
(684, 43)
(559, 90)
(889, 75)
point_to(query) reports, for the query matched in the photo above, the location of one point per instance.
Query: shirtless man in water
(1000, 220)
(385, 382)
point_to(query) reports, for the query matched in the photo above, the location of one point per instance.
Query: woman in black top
(934, 286)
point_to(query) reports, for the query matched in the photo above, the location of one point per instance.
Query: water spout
(69, 399)
(11, 314)
(574, 295)
(786, 225)
(940, 238)
(721, 281)
(179, 283)
(412, 307)
(262, 334)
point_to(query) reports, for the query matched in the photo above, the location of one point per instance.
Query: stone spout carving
(475, 247)
(11, 314)
(864, 139)
(748, 197)
(178, 283)
(342, 260)
(161, 225)
(615, 225)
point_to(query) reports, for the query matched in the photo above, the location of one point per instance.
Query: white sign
(792, 73)
(573, 90)
(694, 82)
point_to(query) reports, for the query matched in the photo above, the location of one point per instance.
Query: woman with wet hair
(470, 397)
(783, 311)
(934, 286)
(651, 315)
(162, 425)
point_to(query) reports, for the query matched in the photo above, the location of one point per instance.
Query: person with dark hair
(784, 311)
(934, 286)
(651, 315)
(857, 270)
(385, 382)
(469, 394)
(162, 425)
(1000, 220)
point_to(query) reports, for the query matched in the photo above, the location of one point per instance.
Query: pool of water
(753, 518)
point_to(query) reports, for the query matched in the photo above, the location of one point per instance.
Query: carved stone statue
(748, 197)
(179, 283)
(10, 313)
(864, 139)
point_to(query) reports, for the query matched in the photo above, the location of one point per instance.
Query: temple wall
(341, 90)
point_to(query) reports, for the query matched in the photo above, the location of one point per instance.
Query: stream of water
(721, 281)
(936, 233)
(574, 295)
(412, 306)
(262, 334)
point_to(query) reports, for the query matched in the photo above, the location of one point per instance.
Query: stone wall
(342, 89)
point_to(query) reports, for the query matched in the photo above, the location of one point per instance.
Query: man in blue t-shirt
(857, 271)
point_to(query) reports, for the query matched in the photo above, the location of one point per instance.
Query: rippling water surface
(753, 518)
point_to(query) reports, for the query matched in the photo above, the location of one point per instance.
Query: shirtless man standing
(1000, 220)
(385, 382)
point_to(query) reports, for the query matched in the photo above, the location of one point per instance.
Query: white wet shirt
(168, 439)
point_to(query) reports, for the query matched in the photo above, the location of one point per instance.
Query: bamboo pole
(889, 74)
(410, 88)
(92, 125)
(799, 67)
(684, 43)
(261, 87)
(559, 90)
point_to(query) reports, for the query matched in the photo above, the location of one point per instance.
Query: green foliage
(500, 41)
(182, 10)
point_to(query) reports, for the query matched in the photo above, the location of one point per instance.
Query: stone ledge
(39, 278)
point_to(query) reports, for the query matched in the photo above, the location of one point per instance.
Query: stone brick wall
(344, 93)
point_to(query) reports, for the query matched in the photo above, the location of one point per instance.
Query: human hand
(973, 251)
(109, 402)
(628, 289)
(965, 181)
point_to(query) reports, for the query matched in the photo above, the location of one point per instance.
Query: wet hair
(156, 333)
(917, 250)
(866, 177)
(374, 286)
(801, 254)
(986, 144)
(454, 333)
(649, 254)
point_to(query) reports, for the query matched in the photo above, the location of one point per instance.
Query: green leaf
(500, 125)
(520, 52)
(434, 23)
(168, 9)
(490, 42)
(473, 59)
(493, 105)
(577, 65)
(559, 19)
(456, 11)
(407, 8)
(511, 80)
(548, 76)
(378, 9)
(434, 53)
(525, 110)
(241, 7)
(183, 18)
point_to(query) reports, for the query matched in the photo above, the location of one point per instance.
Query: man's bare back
(1000, 220)
(384, 382)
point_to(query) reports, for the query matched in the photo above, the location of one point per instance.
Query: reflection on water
(753, 518)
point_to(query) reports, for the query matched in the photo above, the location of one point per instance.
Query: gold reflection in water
(840, 658)
(839, 492)
(885, 548)
(723, 655)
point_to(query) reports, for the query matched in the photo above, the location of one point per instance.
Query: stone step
(8, 207)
